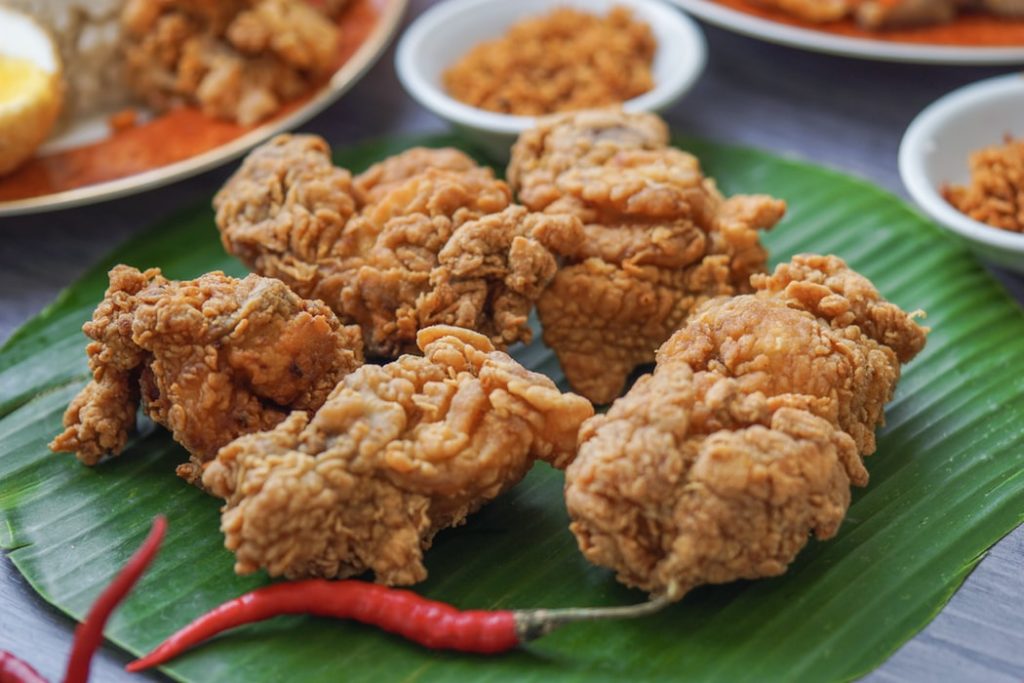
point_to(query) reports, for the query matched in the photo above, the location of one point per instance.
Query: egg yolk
(19, 77)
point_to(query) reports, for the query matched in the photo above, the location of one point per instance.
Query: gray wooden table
(833, 111)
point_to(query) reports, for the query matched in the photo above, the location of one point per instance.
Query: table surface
(833, 111)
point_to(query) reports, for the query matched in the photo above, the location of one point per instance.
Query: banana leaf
(946, 483)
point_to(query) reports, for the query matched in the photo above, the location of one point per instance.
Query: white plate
(390, 14)
(935, 151)
(862, 48)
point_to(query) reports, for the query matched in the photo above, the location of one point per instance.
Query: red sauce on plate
(176, 135)
(968, 30)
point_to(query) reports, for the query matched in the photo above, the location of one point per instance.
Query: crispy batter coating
(1005, 8)
(396, 454)
(659, 240)
(746, 438)
(423, 238)
(284, 211)
(995, 194)
(376, 182)
(817, 11)
(882, 14)
(210, 359)
(236, 59)
(332, 8)
(564, 60)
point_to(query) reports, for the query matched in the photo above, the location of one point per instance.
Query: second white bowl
(443, 34)
(936, 148)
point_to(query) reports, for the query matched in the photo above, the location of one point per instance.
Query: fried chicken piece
(210, 359)
(238, 60)
(396, 454)
(1003, 8)
(816, 11)
(659, 239)
(883, 14)
(376, 182)
(426, 237)
(880, 14)
(748, 435)
(283, 212)
(332, 8)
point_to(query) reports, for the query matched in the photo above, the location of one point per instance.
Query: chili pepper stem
(533, 624)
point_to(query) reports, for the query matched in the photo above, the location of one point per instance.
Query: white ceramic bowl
(935, 151)
(444, 33)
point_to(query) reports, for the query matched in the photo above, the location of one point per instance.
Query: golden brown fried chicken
(331, 8)
(237, 59)
(210, 359)
(374, 184)
(283, 213)
(396, 454)
(879, 14)
(817, 11)
(882, 14)
(746, 438)
(659, 239)
(1004, 8)
(426, 237)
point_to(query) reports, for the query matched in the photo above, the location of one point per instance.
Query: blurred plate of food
(919, 31)
(107, 98)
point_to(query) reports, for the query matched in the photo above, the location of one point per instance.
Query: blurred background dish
(936, 149)
(443, 35)
(975, 39)
(102, 150)
(31, 91)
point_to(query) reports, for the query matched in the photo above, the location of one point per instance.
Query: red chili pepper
(89, 633)
(432, 624)
(14, 670)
